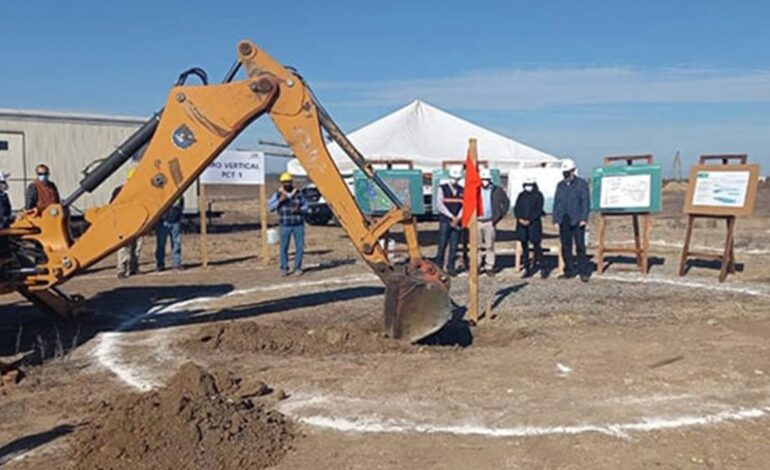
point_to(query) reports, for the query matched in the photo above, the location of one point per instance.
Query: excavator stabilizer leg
(55, 301)
(417, 302)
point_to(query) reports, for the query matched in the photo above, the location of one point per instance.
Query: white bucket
(272, 236)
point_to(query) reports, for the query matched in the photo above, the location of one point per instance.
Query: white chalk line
(687, 284)
(746, 251)
(107, 349)
(377, 425)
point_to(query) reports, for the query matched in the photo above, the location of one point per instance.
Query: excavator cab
(179, 141)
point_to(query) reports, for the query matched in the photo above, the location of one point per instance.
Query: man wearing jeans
(495, 205)
(170, 226)
(291, 206)
(570, 215)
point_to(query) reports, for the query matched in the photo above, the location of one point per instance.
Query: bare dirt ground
(624, 372)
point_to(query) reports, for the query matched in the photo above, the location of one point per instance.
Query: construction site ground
(627, 371)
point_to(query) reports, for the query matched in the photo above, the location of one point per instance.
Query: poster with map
(406, 184)
(627, 189)
(722, 189)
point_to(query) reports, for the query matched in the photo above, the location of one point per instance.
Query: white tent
(427, 136)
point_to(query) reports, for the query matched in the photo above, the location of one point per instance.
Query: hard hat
(285, 177)
(455, 172)
(3, 176)
(529, 180)
(486, 174)
(130, 173)
(568, 164)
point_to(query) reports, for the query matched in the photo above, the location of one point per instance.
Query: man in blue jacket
(570, 215)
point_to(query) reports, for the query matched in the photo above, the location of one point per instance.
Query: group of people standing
(42, 192)
(167, 229)
(570, 216)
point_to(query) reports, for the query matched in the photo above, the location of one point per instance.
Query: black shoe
(566, 276)
(528, 273)
(544, 274)
(585, 277)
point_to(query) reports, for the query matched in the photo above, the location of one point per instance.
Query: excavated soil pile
(196, 421)
(298, 339)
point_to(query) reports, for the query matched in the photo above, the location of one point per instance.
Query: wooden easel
(641, 249)
(727, 257)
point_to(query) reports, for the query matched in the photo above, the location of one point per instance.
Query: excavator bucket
(417, 303)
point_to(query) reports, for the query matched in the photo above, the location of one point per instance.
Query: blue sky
(579, 78)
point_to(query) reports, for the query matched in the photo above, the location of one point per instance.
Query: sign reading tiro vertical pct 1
(236, 167)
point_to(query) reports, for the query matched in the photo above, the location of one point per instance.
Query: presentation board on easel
(631, 186)
(722, 191)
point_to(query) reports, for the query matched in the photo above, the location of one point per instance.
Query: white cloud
(543, 88)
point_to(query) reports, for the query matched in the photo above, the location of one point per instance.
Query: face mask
(568, 175)
(529, 188)
(288, 187)
(43, 177)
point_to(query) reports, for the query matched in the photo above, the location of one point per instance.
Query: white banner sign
(721, 188)
(236, 167)
(626, 191)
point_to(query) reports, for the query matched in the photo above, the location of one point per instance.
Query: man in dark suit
(571, 208)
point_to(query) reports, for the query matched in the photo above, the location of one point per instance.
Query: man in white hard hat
(494, 204)
(571, 208)
(449, 202)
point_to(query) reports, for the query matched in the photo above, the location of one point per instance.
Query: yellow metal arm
(197, 123)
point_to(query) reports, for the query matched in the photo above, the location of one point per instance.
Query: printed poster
(626, 191)
(721, 188)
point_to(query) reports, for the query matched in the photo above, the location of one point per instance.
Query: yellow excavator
(180, 140)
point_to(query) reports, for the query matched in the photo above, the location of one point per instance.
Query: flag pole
(473, 240)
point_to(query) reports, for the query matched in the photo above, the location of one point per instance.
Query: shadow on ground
(25, 444)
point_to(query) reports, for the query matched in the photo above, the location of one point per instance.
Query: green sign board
(442, 176)
(406, 184)
(627, 189)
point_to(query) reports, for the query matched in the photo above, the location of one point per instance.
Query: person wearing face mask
(529, 212)
(6, 216)
(449, 201)
(291, 206)
(571, 207)
(495, 204)
(42, 192)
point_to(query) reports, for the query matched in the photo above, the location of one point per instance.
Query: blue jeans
(171, 230)
(447, 235)
(299, 245)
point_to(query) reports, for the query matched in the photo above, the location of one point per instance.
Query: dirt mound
(298, 339)
(196, 421)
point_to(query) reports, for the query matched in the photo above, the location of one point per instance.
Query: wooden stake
(263, 223)
(473, 236)
(203, 210)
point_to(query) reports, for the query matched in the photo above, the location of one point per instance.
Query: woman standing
(529, 225)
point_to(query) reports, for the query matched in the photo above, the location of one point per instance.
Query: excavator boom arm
(197, 123)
